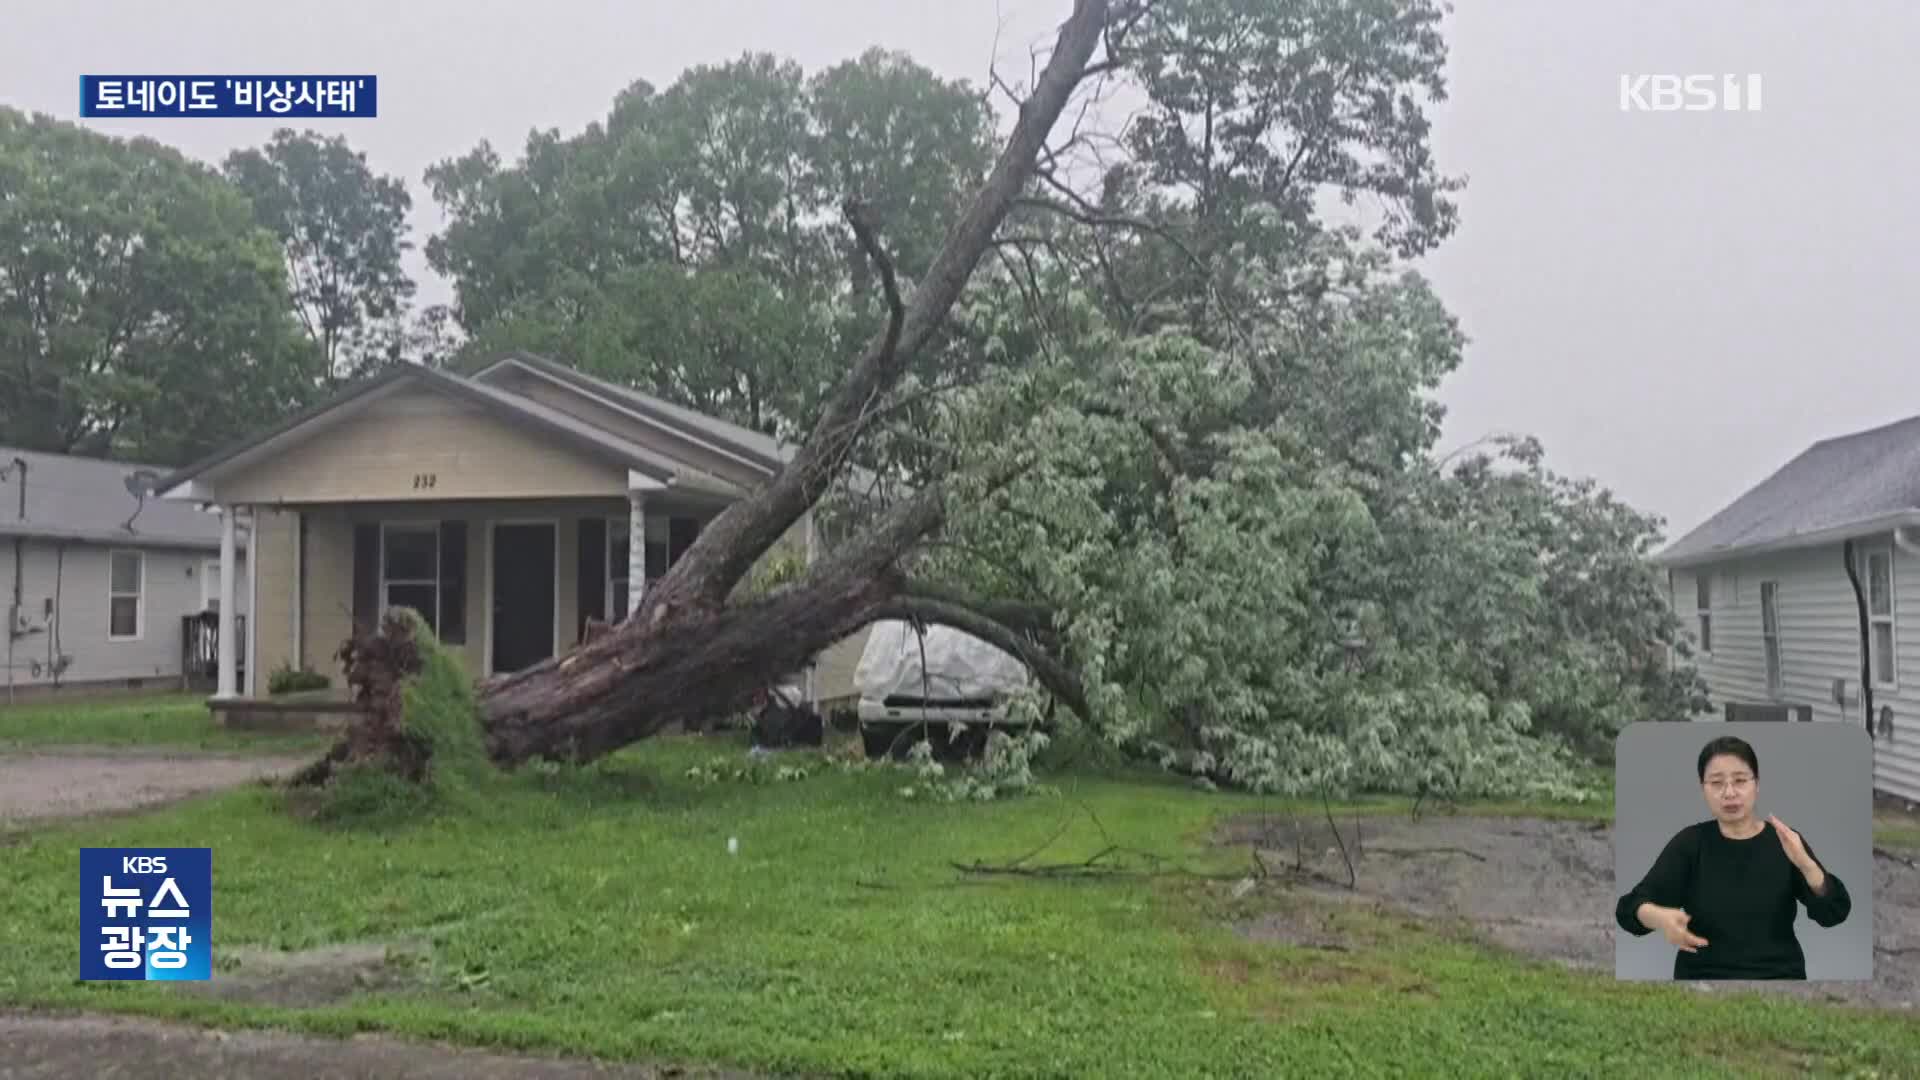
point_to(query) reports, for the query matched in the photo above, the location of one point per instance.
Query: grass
(597, 911)
(169, 721)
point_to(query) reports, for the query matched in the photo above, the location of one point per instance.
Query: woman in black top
(1723, 891)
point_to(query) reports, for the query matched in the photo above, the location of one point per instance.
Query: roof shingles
(1851, 480)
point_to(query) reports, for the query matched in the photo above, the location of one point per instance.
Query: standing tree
(343, 230)
(143, 314)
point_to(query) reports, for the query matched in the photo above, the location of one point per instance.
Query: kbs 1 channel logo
(146, 913)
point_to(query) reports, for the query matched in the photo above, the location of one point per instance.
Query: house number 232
(424, 480)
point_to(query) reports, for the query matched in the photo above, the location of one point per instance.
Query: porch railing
(200, 650)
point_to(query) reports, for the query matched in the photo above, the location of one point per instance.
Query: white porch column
(229, 685)
(636, 549)
(813, 698)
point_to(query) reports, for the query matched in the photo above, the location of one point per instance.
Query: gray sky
(1674, 303)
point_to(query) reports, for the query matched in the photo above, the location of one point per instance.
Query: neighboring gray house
(95, 581)
(1805, 593)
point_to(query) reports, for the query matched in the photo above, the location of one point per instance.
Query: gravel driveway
(58, 783)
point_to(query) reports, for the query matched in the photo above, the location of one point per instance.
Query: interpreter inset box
(1743, 851)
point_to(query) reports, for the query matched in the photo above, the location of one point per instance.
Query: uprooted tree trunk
(377, 664)
(685, 651)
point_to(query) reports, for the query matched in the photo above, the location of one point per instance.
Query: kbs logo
(1689, 93)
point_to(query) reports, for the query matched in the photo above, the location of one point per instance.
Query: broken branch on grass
(1353, 876)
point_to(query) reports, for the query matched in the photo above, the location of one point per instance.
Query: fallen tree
(685, 651)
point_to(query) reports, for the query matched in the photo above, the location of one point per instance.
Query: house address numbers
(424, 480)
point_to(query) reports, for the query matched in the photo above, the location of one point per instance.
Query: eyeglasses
(1718, 784)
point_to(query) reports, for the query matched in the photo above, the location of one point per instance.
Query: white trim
(1816, 538)
(227, 683)
(407, 526)
(639, 481)
(139, 597)
(1703, 621)
(299, 590)
(1867, 552)
(253, 602)
(626, 571)
(209, 582)
(492, 524)
(1773, 663)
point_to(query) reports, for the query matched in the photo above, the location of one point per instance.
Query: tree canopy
(142, 312)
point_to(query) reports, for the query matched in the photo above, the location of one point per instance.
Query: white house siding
(1819, 626)
(76, 583)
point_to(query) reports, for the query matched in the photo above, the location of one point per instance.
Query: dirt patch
(44, 785)
(1542, 888)
(45, 1045)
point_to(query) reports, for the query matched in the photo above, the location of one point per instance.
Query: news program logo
(1689, 93)
(146, 913)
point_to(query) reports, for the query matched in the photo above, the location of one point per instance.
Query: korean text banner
(318, 96)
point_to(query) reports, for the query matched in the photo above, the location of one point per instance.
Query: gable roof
(738, 440)
(87, 499)
(508, 407)
(1837, 489)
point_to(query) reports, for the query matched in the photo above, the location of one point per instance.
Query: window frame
(1703, 610)
(1770, 636)
(617, 575)
(139, 595)
(1876, 620)
(431, 528)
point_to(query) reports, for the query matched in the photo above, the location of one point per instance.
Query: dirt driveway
(37, 785)
(47, 1046)
(1544, 888)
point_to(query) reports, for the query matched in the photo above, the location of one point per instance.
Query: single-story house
(106, 586)
(1803, 595)
(507, 506)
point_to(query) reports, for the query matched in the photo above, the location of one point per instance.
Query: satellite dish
(140, 484)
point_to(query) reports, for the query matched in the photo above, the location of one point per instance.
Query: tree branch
(1059, 680)
(728, 548)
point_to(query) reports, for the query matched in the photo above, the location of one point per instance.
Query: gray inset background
(1816, 777)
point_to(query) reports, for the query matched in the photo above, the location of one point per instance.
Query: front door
(523, 611)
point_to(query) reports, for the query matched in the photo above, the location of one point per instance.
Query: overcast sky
(1675, 303)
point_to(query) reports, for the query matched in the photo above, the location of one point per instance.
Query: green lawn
(168, 721)
(600, 912)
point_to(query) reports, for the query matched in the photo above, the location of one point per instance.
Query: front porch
(505, 584)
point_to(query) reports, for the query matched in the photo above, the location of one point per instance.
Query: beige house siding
(419, 445)
(1819, 641)
(272, 615)
(327, 591)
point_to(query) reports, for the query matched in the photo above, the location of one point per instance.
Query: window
(1770, 631)
(618, 547)
(1703, 605)
(126, 585)
(1880, 616)
(210, 585)
(667, 539)
(410, 570)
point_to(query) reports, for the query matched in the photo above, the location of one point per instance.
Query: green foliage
(1005, 769)
(342, 229)
(692, 242)
(754, 769)
(134, 280)
(440, 716)
(289, 680)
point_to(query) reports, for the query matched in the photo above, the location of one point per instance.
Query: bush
(289, 680)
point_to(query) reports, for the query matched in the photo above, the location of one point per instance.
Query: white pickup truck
(913, 687)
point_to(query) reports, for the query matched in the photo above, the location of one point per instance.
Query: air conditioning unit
(1748, 712)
